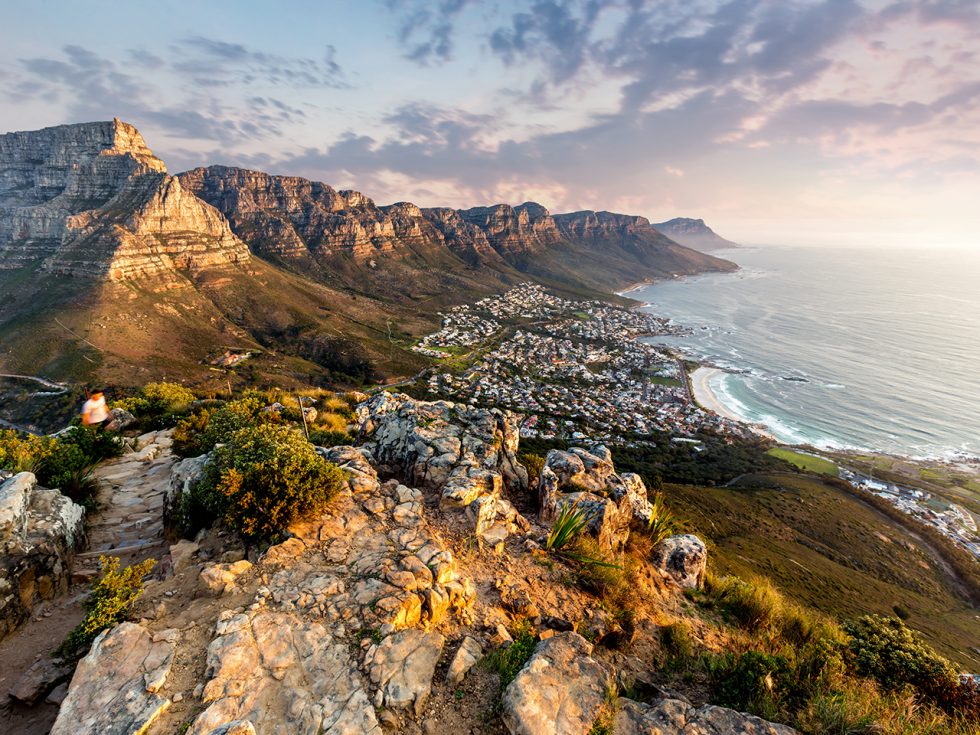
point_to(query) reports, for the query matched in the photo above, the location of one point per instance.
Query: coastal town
(574, 369)
(950, 519)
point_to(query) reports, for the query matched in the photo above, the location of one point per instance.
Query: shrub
(22, 452)
(760, 608)
(677, 642)
(661, 524)
(752, 682)
(894, 655)
(330, 438)
(264, 478)
(157, 403)
(508, 661)
(69, 460)
(533, 463)
(568, 524)
(206, 427)
(113, 594)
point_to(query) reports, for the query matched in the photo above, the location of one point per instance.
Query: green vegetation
(788, 664)
(567, 525)
(330, 438)
(830, 552)
(262, 479)
(158, 405)
(508, 660)
(110, 601)
(64, 462)
(805, 462)
(661, 523)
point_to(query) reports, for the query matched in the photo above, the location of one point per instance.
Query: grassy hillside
(832, 552)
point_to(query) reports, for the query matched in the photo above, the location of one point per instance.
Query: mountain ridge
(693, 233)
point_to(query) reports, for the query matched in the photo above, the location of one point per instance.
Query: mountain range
(112, 269)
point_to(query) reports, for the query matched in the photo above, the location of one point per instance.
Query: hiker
(95, 412)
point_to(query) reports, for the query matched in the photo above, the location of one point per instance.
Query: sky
(819, 122)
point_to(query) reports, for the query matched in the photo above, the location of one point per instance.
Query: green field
(806, 462)
(830, 551)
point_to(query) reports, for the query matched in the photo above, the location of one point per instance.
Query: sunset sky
(822, 122)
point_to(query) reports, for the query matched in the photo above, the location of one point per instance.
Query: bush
(206, 427)
(760, 608)
(330, 438)
(508, 661)
(752, 682)
(22, 452)
(533, 463)
(68, 461)
(157, 404)
(113, 594)
(264, 478)
(892, 654)
(678, 643)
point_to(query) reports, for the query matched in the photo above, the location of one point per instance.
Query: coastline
(705, 397)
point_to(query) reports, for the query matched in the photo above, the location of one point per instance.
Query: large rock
(614, 503)
(560, 690)
(467, 454)
(401, 668)
(43, 675)
(39, 532)
(674, 717)
(92, 200)
(683, 558)
(282, 675)
(184, 475)
(116, 687)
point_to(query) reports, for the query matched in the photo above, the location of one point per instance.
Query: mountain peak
(693, 233)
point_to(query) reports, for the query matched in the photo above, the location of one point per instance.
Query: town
(574, 369)
(951, 520)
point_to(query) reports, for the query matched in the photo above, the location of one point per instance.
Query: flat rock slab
(402, 667)
(673, 717)
(560, 690)
(114, 689)
(282, 675)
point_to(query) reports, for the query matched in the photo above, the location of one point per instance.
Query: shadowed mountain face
(693, 233)
(112, 268)
(309, 223)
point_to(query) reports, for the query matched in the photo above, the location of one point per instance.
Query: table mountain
(92, 199)
(693, 233)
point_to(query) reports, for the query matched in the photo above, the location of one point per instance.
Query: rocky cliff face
(92, 200)
(693, 233)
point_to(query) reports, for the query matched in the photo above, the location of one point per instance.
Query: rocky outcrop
(674, 717)
(693, 233)
(92, 200)
(683, 558)
(515, 231)
(39, 532)
(117, 686)
(464, 453)
(560, 690)
(587, 479)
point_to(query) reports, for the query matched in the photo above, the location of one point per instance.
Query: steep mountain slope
(111, 269)
(693, 233)
(344, 236)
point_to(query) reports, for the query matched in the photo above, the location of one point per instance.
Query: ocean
(875, 349)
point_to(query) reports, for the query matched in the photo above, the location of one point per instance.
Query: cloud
(426, 28)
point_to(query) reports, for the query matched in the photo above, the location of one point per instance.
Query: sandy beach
(706, 397)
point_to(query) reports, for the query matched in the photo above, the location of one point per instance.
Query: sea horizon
(811, 351)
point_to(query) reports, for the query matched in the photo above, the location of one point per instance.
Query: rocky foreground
(374, 617)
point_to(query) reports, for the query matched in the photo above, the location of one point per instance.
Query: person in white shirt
(95, 412)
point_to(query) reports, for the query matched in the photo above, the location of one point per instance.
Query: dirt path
(128, 524)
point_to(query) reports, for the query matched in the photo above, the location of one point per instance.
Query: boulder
(467, 656)
(674, 717)
(609, 522)
(560, 690)
(40, 529)
(401, 668)
(43, 675)
(683, 558)
(221, 578)
(116, 686)
(119, 419)
(184, 475)
(460, 451)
